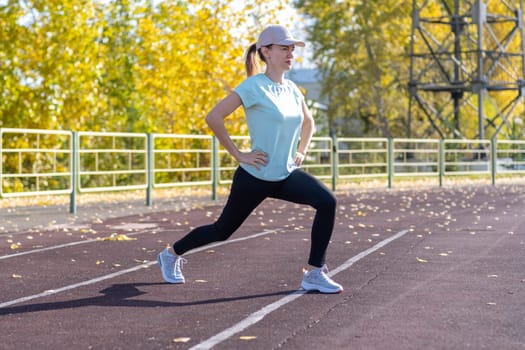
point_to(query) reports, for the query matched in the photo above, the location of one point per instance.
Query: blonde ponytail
(250, 62)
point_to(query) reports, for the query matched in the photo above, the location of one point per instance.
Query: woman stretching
(280, 127)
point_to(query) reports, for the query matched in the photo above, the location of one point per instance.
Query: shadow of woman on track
(121, 295)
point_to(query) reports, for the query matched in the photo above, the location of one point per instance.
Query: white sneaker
(317, 279)
(171, 266)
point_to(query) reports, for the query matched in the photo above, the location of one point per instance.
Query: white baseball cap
(277, 35)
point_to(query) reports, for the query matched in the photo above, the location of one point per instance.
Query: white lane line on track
(260, 314)
(71, 244)
(123, 272)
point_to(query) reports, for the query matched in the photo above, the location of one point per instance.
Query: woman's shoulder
(251, 82)
(256, 78)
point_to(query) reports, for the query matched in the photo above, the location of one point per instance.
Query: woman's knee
(327, 201)
(331, 201)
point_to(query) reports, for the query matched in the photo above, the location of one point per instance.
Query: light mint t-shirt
(274, 115)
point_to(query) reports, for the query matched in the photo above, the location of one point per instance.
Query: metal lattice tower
(467, 62)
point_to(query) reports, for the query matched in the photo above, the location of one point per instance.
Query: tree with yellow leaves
(123, 65)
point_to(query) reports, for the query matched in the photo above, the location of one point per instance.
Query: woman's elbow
(310, 124)
(211, 119)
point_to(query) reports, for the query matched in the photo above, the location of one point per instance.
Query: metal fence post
(441, 161)
(74, 173)
(335, 161)
(390, 158)
(1, 163)
(149, 170)
(214, 167)
(493, 159)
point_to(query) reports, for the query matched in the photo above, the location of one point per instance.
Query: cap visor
(288, 42)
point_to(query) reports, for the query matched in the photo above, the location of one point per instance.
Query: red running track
(423, 269)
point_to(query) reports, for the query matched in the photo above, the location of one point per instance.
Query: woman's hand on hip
(253, 158)
(299, 158)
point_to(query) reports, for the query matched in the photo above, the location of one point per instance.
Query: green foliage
(361, 48)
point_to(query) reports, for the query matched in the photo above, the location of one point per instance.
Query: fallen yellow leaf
(123, 237)
(421, 260)
(181, 340)
(117, 237)
(247, 337)
(16, 245)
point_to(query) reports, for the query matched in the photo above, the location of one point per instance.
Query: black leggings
(247, 192)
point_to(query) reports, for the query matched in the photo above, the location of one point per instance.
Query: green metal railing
(35, 162)
(111, 161)
(44, 162)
